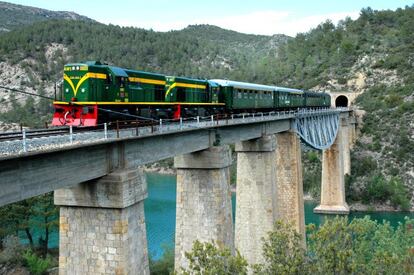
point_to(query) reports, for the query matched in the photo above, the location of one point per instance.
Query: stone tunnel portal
(341, 101)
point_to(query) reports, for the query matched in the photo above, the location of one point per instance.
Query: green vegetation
(24, 216)
(379, 167)
(312, 170)
(37, 213)
(165, 265)
(29, 113)
(208, 259)
(283, 252)
(183, 52)
(362, 246)
(36, 264)
(15, 253)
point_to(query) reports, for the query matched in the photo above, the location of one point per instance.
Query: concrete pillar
(352, 132)
(102, 226)
(345, 130)
(333, 180)
(204, 210)
(289, 182)
(255, 205)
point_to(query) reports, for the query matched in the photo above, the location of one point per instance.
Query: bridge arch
(341, 101)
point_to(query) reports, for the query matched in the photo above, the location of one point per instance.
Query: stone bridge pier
(204, 210)
(102, 225)
(335, 164)
(269, 188)
(255, 196)
(289, 182)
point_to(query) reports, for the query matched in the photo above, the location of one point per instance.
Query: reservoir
(160, 213)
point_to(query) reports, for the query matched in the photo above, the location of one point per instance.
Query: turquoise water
(160, 215)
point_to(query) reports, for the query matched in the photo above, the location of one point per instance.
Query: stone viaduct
(101, 191)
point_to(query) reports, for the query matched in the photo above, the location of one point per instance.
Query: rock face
(10, 269)
(362, 76)
(23, 77)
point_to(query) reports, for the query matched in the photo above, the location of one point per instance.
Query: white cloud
(260, 22)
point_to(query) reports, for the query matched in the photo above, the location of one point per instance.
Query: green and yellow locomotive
(93, 93)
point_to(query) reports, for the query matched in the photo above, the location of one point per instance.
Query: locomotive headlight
(73, 68)
(83, 90)
(77, 68)
(67, 90)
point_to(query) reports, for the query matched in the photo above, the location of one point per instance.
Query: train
(93, 92)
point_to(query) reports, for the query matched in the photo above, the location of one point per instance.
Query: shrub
(364, 166)
(312, 157)
(283, 252)
(36, 264)
(393, 100)
(377, 189)
(165, 265)
(362, 246)
(400, 195)
(207, 259)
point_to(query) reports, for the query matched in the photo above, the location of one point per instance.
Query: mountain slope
(372, 55)
(187, 52)
(13, 16)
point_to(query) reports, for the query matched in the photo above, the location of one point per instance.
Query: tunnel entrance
(341, 101)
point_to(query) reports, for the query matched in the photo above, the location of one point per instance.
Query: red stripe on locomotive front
(75, 115)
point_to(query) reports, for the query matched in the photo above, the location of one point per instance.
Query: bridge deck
(33, 173)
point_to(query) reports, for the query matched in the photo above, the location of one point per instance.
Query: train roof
(186, 79)
(316, 92)
(144, 74)
(253, 86)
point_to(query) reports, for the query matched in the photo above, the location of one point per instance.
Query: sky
(265, 17)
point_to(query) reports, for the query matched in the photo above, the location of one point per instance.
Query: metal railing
(164, 126)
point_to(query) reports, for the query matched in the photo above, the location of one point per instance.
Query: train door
(215, 95)
(106, 93)
(93, 90)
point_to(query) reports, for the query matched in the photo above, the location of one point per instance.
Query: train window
(159, 93)
(180, 94)
(108, 79)
(120, 81)
(239, 95)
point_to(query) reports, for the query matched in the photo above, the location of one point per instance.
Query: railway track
(46, 132)
(33, 133)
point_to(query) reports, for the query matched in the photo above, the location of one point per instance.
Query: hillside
(13, 16)
(372, 55)
(33, 57)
